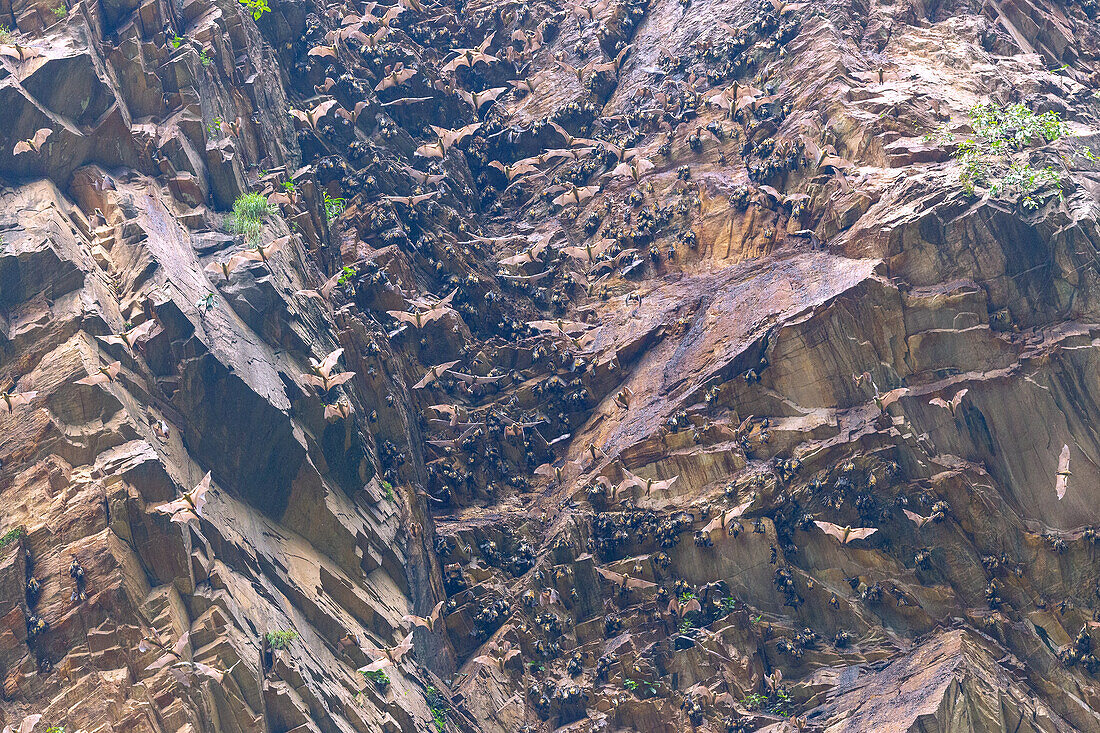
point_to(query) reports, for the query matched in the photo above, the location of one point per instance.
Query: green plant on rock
(333, 208)
(387, 489)
(999, 134)
(346, 276)
(11, 536)
(631, 685)
(5, 35)
(438, 706)
(249, 212)
(56, 729)
(204, 59)
(378, 677)
(256, 7)
(280, 639)
(778, 703)
(60, 11)
(177, 41)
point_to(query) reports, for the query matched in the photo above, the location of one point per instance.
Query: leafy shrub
(60, 11)
(11, 536)
(778, 703)
(333, 208)
(999, 132)
(280, 639)
(5, 34)
(378, 677)
(256, 7)
(438, 705)
(249, 212)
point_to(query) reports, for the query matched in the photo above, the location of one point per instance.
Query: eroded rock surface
(639, 297)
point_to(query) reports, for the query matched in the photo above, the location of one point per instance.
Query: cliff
(639, 365)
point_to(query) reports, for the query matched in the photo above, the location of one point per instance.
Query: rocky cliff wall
(560, 351)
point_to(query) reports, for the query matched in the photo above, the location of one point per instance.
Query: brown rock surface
(612, 503)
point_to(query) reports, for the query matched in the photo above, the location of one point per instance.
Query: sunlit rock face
(619, 366)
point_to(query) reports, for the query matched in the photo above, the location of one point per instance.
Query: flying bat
(433, 374)
(34, 143)
(396, 77)
(951, 406)
(419, 319)
(314, 114)
(917, 519)
(227, 266)
(188, 507)
(575, 195)
(261, 252)
(431, 622)
(1062, 475)
(339, 411)
(477, 100)
(101, 375)
(389, 656)
(15, 399)
(322, 377)
(472, 379)
(634, 169)
(558, 474)
(723, 520)
(648, 484)
(499, 658)
(590, 251)
(25, 727)
(625, 582)
(412, 201)
(845, 535)
(130, 338)
(515, 170)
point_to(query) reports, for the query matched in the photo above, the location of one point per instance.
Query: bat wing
(172, 507)
(916, 518)
(893, 396)
(957, 399)
(92, 379)
(326, 365)
(209, 672)
(831, 529)
(184, 516)
(22, 398)
(112, 339)
(641, 584)
(940, 402)
(340, 378)
(486, 661)
(162, 661)
(417, 621)
(402, 316)
(1062, 480)
(376, 666)
(860, 533)
(313, 380)
(715, 524)
(28, 723)
(198, 494)
(142, 331)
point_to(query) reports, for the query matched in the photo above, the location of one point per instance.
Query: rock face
(645, 304)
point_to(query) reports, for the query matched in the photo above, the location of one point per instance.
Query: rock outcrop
(560, 351)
